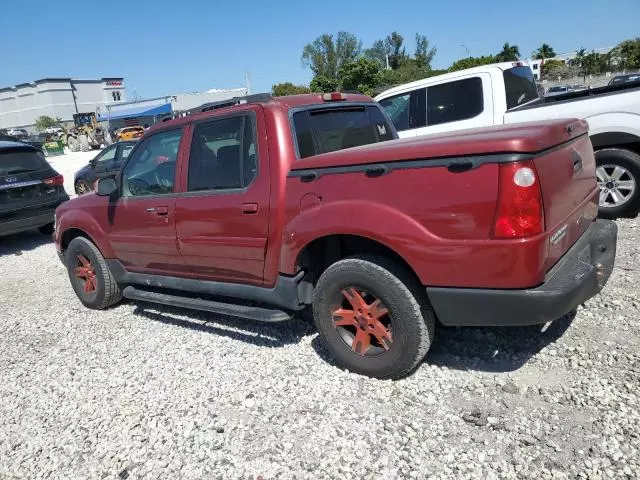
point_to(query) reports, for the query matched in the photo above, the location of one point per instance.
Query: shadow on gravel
(255, 333)
(18, 243)
(493, 349)
(486, 349)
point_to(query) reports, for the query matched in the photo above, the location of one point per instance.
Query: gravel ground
(68, 164)
(141, 391)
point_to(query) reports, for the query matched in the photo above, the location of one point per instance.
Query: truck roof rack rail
(256, 98)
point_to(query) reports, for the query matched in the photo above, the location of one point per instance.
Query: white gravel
(141, 391)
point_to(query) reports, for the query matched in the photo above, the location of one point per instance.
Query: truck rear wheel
(618, 173)
(373, 316)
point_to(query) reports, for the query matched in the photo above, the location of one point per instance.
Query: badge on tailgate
(559, 235)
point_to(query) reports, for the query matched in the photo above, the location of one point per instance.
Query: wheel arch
(320, 253)
(616, 139)
(72, 233)
(77, 223)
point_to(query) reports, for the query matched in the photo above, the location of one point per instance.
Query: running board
(252, 313)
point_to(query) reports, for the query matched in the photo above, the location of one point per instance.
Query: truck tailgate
(567, 174)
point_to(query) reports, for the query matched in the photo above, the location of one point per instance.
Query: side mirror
(106, 186)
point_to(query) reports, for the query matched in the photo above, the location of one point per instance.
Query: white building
(21, 105)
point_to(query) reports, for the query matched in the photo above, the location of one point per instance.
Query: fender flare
(81, 220)
(381, 223)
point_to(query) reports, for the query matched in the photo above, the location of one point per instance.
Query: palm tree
(579, 61)
(544, 52)
(509, 53)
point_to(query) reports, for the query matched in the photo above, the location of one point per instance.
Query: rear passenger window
(327, 130)
(454, 101)
(223, 154)
(398, 108)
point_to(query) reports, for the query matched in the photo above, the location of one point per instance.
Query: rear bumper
(31, 217)
(579, 275)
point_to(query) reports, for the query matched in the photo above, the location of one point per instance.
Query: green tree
(323, 84)
(378, 53)
(544, 52)
(424, 55)
(43, 122)
(578, 61)
(325, 55)
(397, 53)
(471, 62)
(509, 53)
(288, 88)
(556, 69)
(552, 65)
(362, 75)
(626, 55)
(409, 71)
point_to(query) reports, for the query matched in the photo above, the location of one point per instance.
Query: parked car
(35, 141)
(129, 133)
(558, 90)
(505, 94)
(619, 79)
(309, 201)
(54, 130)
(18, 132)
(30, 189)
(106, 163)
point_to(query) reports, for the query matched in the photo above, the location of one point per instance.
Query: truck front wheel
(618, 173)
(373, 316)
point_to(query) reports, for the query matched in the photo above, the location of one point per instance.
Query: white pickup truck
(506, 93)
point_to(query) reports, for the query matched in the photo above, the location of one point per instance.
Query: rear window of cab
(325, 130)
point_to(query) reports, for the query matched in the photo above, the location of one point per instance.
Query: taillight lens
(519, 212)
(334, 97)
(57, 180)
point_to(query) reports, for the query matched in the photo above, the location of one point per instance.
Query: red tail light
(519, 211)
(57, 180)
(334, 97)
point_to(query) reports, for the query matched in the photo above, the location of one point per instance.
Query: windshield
(520, 86)
(330, 129)
(13, 162)
(557, 89)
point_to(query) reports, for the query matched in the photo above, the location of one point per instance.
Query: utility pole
(467, 49)
(248, 82)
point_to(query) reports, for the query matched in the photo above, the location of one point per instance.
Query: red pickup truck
(277, 205)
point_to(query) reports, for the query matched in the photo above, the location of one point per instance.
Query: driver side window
(152, 167)
(106, 155)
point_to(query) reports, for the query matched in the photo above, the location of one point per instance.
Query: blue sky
(169, 47)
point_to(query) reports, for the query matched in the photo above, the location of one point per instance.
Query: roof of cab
(286, 102)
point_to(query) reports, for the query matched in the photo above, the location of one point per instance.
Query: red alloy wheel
(85, 272)
(363, 322)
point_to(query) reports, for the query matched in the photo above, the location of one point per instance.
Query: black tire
(82, 187)
(107, 292)
(630, 161)
(411, 318)
(46, 229)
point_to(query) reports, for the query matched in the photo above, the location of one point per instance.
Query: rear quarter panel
(439, 222)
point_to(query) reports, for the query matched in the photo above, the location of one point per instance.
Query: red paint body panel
(438, 221)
